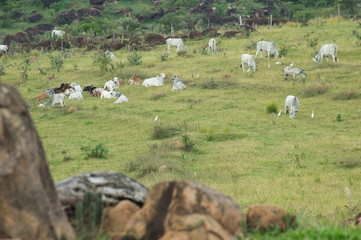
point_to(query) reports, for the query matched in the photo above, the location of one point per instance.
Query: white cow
(294, 72)
(4, 48)
(55, 99)
(76, 86)
(327, 50)
(109, 54)
(108, 94)
(212, 45)
(121, 98)
(176, 42)
(292, 104)
(249, 60)
(114, 83)
(76, 96)
(156, 81)
(58, 33)
(177, 84)
(266, 46)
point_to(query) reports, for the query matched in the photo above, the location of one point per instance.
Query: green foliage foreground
(302, 164)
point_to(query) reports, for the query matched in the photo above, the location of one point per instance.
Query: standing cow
(249, 60)
(327, 50)
(212, 45)
(176, 42)
(266, 46)
(291, 104)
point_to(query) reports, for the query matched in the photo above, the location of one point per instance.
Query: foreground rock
(184, 210)
(114, 187)
(29, 205)
(265, 217)
(115, 219)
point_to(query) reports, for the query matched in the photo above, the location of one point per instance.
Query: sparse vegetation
(162, 131)
(315, 90)
(99, 151)
(347, 95)
(134, 59)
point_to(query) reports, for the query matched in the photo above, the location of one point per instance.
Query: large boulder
(195, 35)
(35, 18)
(32, 32)
(45, 27)
(114, 187)
(154, 39)
(266, 217)
(8, 39)
(47, 3)
(190, 209)
(125, 10)
(115, 219)
(211, 32)
(214, 18)
(97, 2)
(29, 204)
(67, 17)
(22, 37)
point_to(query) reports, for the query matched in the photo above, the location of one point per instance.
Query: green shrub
(188, 143)
(56, 61)
(164, 57)
(25, 67)
(312, 42)
(135, 59)
(314, 90)
(339, 118)
(271, 108)
(129, 24)
(99, 151)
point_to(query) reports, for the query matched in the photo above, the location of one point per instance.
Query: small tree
(129, 24)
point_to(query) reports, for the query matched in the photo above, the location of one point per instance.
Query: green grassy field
(299, 164)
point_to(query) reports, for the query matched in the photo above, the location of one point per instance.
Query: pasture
(252, 156)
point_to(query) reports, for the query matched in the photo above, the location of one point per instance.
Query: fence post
(240, 21)
(171, 30)
(113, 37)
(270, 22)
(338, 12)
(208, 24)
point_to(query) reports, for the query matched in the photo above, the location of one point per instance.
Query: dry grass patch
(347, 95)
(315, 90)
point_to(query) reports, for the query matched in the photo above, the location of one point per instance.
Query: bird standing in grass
(279, 114)
(156, 118)
(312, 115)
(291, 65)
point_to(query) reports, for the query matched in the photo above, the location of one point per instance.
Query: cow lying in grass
(55, 99)
(156, 81)
(114, 83)
(93, 91)
(177, 84)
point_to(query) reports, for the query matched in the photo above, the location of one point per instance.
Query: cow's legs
(243, 67)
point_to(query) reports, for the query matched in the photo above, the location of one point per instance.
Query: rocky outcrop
(125, 10)
(266, 217)
(230, 33)
(214, 18)
(114, 187)
(35, 18)
(187, 209)
(67, 17)
(154, 39)
(210, 32)
(45, 27)
(195, 35)
(97, 2)
(29, 204)
(47, 3)
(154, 13)
(115, 219)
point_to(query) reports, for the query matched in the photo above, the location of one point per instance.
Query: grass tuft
(315, 90)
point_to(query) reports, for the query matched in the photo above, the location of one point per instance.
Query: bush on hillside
(347, 95)
(314, 90)
(271, 108)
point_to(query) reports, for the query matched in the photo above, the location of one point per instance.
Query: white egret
(279, 114)
(156, 118)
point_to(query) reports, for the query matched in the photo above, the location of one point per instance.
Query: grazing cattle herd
(74, 91)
